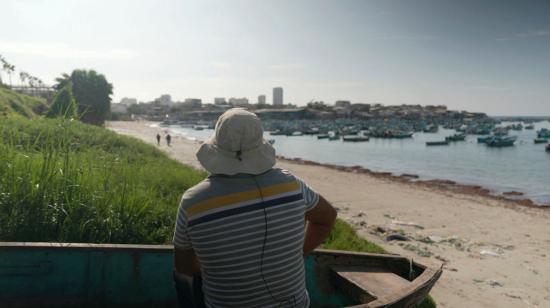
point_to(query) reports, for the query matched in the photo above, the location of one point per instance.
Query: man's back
(248, 235)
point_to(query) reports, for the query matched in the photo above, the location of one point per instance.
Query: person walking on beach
(168, 139)
(158, 139)
(242, 234)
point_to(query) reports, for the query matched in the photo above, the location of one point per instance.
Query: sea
(524, 167)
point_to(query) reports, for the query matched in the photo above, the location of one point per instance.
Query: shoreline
(494, 252)
(512, 197)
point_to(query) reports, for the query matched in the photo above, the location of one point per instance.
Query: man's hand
(186, 262)
(319, 222)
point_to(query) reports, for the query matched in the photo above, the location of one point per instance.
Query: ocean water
(524, 167)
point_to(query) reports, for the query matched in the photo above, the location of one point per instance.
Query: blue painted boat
(95, 275)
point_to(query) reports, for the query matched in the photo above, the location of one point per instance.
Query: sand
(495, 253)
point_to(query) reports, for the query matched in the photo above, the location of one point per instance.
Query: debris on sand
(486, 252)
(494, 283)
(397, 237)
(423, 252)
(404, 223)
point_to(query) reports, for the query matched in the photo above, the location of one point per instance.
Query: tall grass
(66, 181)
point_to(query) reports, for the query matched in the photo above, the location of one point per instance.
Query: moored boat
(114, 275)
(323, 136)
(502, 141)
(484, 139)
(548, 147)
(543, 133)
(355, 138)
(540, 140)
(456, 137)
(435, 143)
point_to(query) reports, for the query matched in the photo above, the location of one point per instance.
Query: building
(219, 101)
(277, 96)
(164, 100)
(239, 102)
(261, 99)
(192, 103)
(119, 108)
(343, 104)
(128, 101)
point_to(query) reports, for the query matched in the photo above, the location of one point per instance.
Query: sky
(488, 56)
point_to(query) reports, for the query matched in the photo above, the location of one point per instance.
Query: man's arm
(186, 262)
(319, 222)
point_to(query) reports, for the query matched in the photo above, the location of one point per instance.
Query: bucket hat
(237, 145)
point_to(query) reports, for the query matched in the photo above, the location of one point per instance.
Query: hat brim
(218, 161)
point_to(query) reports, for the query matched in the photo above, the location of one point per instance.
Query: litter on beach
(491, 253)
(404, 223)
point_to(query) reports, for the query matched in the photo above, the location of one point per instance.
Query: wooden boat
(484, 139)
(322, 136)
(435, 143)
(355, 138)
(540, 140)
(502, 141)
(334, 137)
(95, 275)
(456, 137)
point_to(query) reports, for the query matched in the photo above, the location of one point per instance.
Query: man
(158, 139)
(168, 139)
(247, 227)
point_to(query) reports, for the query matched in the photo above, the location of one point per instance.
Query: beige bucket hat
(237, 145)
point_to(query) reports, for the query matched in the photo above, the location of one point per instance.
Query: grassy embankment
(66, 181)
(15, 104)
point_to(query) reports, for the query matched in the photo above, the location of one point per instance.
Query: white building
(277, 96)
(128, 101)
(119, 108)
(261, 99)
(238, 101)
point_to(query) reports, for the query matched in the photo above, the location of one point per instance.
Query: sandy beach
(496, 253)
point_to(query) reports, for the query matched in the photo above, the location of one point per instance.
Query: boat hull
(76, 275)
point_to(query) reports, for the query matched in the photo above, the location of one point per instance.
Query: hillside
(14, 103)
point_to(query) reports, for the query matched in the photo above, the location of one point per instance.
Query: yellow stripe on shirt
(221, 201)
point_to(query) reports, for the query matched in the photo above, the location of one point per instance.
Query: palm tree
(10, 70)
(23, 76)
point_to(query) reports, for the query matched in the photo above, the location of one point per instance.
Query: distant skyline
(488, 56)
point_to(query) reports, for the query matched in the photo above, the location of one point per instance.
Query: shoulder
(197, 193)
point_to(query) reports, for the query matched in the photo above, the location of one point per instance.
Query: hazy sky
(490, 56)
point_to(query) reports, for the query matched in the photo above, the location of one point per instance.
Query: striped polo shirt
(248, 234)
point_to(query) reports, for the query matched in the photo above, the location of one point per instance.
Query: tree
(64, 104)
(92, 93)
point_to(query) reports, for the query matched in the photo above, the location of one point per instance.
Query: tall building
(261, 99)
(277, 96)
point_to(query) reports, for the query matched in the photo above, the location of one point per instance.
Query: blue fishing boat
(502, 141)
(114, 275)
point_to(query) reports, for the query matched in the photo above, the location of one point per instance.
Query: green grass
(64, 181)
(13, 103)
(344, 237)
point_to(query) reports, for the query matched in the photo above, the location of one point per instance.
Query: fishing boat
(277, 133)
(530, 126)
(548, 147)
(543, 133)
(541, 140)
(402, 135)
(355, 138)
(435, 143)
(114, 275)
(456, 137)
(323, 136)
(484, 139)
(502, 141)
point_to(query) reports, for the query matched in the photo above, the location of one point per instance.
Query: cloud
(528, 34)
(221, 64)
(64, 51)
(286, 66)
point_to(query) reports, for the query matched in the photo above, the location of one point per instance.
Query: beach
(495, 252)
